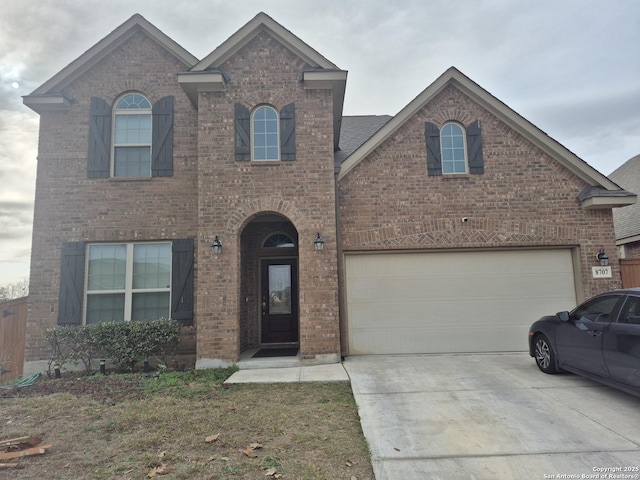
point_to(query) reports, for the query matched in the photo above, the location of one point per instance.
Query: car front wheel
(545, 358)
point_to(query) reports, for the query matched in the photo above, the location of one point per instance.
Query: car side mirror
(563, 316)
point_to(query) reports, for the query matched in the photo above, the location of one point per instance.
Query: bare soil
(185, 426)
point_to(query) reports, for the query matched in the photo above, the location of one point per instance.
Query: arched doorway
(269, 283)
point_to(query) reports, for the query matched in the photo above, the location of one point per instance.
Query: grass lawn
(185, 426)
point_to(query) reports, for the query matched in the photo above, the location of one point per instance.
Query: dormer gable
(208, 76)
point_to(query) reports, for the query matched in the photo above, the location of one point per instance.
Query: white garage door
(453, 302)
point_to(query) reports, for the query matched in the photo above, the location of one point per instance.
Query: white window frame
(253, 114)
(464, 147)
(128, 290)
(133, 111)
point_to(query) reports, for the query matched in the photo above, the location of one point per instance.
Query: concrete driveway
(491, 417)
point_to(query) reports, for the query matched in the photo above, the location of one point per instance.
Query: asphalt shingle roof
(355, 131)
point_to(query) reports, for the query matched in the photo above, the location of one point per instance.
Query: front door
(279, 300)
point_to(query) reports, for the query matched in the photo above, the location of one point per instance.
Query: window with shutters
(128, 281)
(453, 149)
(132, 121)
(131, 140)
(265, 134)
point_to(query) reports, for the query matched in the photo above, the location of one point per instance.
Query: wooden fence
(630, 272)
(13, 327)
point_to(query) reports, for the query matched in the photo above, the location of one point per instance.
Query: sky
(571, 67)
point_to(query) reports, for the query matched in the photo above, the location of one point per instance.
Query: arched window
(279, 240)
(453, 146)
(266, 143)
(132, 136)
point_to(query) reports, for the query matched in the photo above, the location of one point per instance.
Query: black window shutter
(99, 139)
(162, 138)
(474, 148)
(288, 132)
(243, 133)
(71, 284)
(182, 281)
(432, 136)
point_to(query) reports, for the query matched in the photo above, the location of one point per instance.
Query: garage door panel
(453, 302)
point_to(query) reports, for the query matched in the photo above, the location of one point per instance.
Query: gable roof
(50, 93)
(627, 220)
(606, 194)
(263, 23)
(319, 73)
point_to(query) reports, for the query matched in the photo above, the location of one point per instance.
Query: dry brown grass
(122, 427)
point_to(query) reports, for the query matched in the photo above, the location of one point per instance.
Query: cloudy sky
(571, 67)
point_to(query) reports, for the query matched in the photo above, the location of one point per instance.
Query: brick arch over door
(245, 212)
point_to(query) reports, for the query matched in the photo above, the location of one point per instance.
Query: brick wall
(232, 193)
(71, 207)
(524, 199)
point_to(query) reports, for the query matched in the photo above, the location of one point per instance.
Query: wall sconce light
(602, 258)
(217, 246)
(318, 243)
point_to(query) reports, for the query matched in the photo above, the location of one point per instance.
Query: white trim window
(265, 134)
(132, 118)
(453, 148)
(127, 281)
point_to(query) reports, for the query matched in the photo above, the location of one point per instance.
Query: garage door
(453, 302)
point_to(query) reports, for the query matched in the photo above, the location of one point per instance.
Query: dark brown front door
(279, 300)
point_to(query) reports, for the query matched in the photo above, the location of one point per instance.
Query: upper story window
(265, 134)
(452, 150)
(131, 140)
(453, 146)
(132, 121)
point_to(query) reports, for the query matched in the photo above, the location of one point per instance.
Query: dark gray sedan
(600, 339)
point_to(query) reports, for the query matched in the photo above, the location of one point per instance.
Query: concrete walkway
(316, 373)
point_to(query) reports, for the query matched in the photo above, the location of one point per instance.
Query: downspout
(340, 265)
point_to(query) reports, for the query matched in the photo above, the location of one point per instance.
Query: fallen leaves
(212, 438)
(162, 469)
(248, 451)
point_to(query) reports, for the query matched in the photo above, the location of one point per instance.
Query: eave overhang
(53, 102)
(204, 81)
(334, 80)
(595, 197)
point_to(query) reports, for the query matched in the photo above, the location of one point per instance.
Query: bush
(70, 344)
(125, 343)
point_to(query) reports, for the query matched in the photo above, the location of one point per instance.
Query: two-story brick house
(231, 194)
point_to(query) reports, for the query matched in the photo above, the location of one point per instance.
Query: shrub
(70, 344)
(125, 343)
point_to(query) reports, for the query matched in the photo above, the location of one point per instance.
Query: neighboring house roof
(355, 131)
(51, 95)
(606, 193)
(627, 220)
